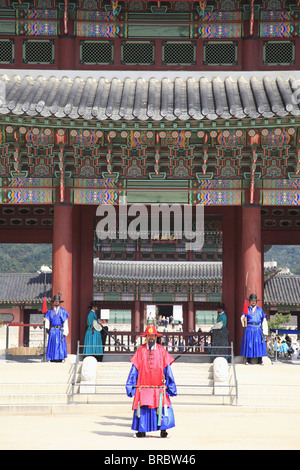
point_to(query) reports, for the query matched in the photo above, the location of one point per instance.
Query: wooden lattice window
(137, 53)
(38, 51)
(279, 52)
(7, 51)
(181, 53)
(96, 52)
(220, 53)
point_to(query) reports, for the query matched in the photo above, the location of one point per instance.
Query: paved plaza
(234, 428)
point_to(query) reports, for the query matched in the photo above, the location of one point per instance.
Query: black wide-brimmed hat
(93, 304)
(57, 297)
(253, 297)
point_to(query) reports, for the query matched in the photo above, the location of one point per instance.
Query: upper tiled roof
(156, 270)
(197, 97)
(24, 287)
(283, 289)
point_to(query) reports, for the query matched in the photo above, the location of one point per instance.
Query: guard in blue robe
(93, 339)
(56, 323)
(253, 343)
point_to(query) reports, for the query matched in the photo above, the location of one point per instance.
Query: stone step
(33, 399)
(36, 373)
(44, 386)
(269, 390)
(113, 399)
(95, 408)
(41, 384)
(271, 401)
(34, 388)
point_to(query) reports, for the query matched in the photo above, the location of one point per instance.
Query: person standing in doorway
(253, 343)
(219, 333)
(56, 324)
(93, 338)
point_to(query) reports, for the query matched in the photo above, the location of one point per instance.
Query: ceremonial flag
(245, 307)
(44, 308)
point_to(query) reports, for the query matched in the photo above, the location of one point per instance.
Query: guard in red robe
(151, 383)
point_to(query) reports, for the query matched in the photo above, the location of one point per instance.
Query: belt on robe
(149, 386)
(162, 387)
(254, 323)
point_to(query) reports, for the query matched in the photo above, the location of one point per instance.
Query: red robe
(151, 365)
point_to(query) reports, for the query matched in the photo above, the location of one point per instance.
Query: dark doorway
(165, 310)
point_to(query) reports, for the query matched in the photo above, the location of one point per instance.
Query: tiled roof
(155, 270)
(24, 287)
(197, 97)
(283, 289)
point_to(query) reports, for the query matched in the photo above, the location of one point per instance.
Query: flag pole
(245, 311)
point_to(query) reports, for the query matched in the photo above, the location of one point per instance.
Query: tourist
(56, 325)
(192, 340)
(181, 344)
(255, 327)
(150, 383)
(276, 344)
(93, 338)
(283, 349)
(220, 335)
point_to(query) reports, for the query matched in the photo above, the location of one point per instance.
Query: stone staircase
(34, 387)
(194, 383)
(275, 385)
(45, 388)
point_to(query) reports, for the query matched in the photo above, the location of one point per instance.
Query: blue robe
(93, 338)
(147, 421)
(255, 344)
(57, 346)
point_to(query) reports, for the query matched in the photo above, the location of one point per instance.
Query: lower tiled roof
(24, 287)
(283, 289)
(156, 270)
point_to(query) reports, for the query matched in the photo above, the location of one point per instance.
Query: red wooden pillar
(251, 259)
(239, 281)
(191, 317)
(22, 335)
(137, 316)
(76, 269)
(62, 259)
(86, 264)
(252, 249)
(228, 267)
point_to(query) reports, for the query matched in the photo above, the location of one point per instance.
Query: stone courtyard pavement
(234, 428)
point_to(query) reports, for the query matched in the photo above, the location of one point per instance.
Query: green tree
(279, 321)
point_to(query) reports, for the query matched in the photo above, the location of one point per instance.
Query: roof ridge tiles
(195, 97)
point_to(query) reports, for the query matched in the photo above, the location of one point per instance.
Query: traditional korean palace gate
(245, 170)
(228, 141)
